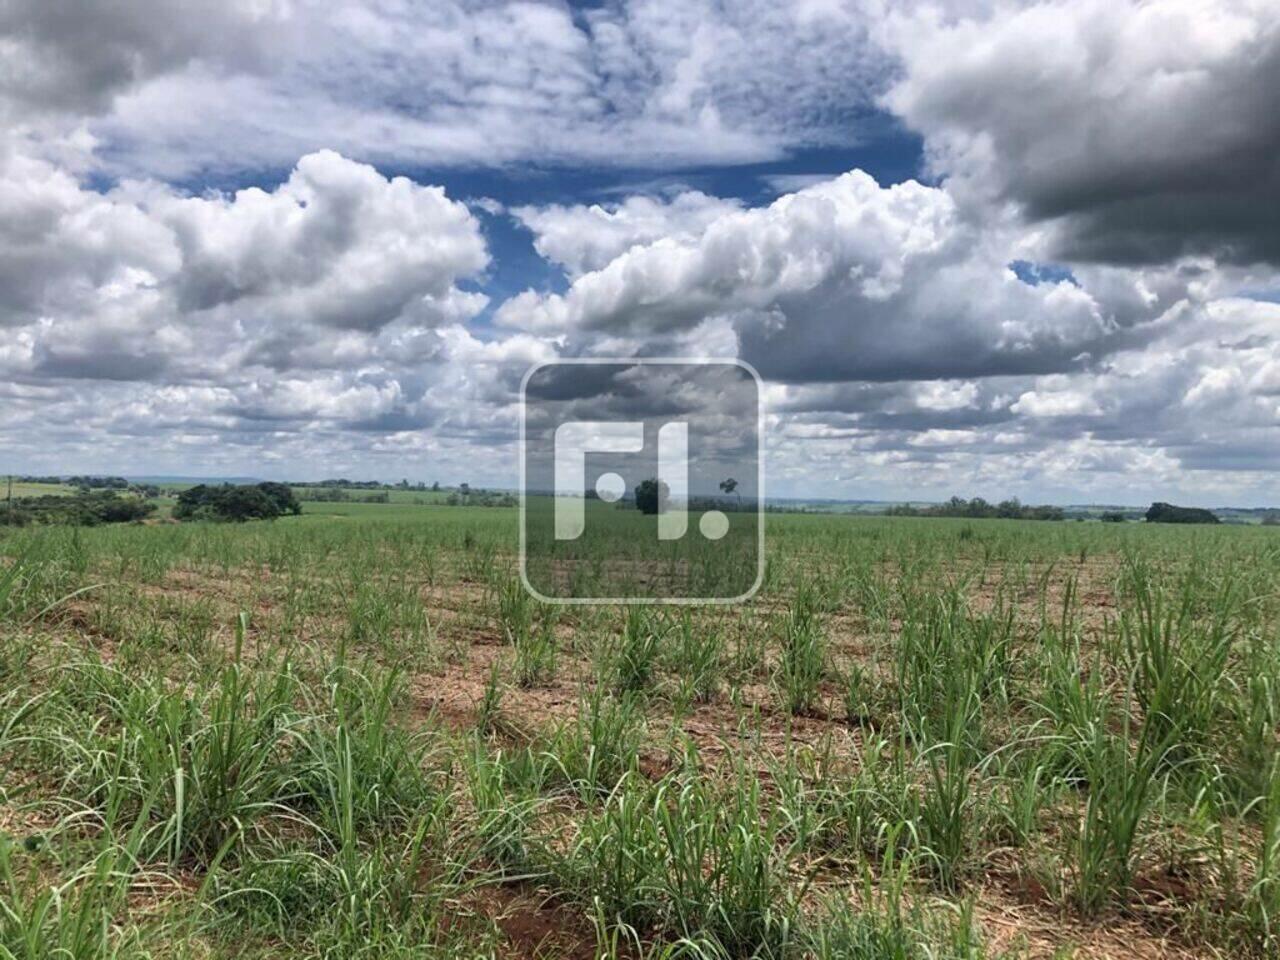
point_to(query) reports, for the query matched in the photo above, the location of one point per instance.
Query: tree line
(979, 509)
(88, 509)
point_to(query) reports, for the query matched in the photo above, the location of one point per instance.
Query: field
(36, 489)
(352, 734)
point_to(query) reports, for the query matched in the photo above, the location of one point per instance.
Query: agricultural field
(23, 489)
(352, 734)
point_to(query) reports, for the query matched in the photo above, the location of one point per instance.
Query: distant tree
(283, 496)
(1112, 516)
(652, 496)
(99, 483)
(245, 503)
(263, 501)
(1271, 520)
(1043, 512)
(86, 509)
(1168, 513)
(979, 509)
(110, 508)
(435, 486)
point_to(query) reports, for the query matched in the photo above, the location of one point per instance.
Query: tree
(247, 503)
(652, 495)
(1168, 513)
(1112, 516)
(282, 496)
(263, 501)
(730, 485)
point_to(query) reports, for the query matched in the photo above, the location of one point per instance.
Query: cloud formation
(66, 55)
(334, 266)
(206, 251)
(840, 281)
(1140, 132)
(581, 239)
(905, 341)
(245, 84)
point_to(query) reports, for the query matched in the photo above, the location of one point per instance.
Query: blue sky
(252, 237)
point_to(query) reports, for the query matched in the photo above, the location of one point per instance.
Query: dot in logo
(713, 524)
(610, 487)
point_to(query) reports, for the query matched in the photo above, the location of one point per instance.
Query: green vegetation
(979, 509)
(81, 509)
(1168, 513)
(354, 735)
(651, 496)
(262, 501)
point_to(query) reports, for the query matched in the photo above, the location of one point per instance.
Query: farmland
(352, 734)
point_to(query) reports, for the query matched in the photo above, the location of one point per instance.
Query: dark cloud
(76, 56)
(1143, 132)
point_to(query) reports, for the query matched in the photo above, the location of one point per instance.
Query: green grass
(35, 489)
(351, 733)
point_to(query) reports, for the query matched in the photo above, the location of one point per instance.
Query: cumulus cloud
(848, 280)
(582, 238)
(906, 344)
(337, 245)
(1141, 132)
(140, 282)
(297, 319)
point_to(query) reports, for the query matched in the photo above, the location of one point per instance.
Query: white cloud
(1154, 369)
(337, 244)
(842, 280)
(256, 83)
(1046, 401)
(581, 239)
(333, 266)
(943, 395)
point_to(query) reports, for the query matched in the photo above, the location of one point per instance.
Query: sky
(973, 247)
